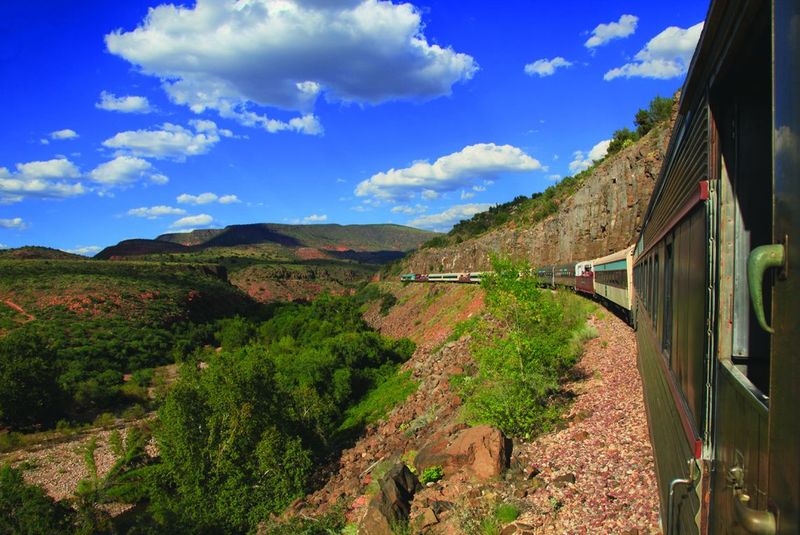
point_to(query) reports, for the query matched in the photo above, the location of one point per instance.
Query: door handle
(760, 260)
(752, 520)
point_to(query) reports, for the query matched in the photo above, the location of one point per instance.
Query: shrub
(431, 474)
(519, 370)
(27, 508)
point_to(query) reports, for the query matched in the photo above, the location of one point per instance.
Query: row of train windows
(647, 279)
(618, 278)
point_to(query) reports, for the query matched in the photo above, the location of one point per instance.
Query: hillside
(37, 252)
(334, 238)
(594, 213)
(273, 262)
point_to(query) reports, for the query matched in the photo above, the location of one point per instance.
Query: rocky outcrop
(392, 504)
(482, 451)
(603, 216)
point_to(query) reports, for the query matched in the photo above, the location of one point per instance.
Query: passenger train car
(709, 283)
(717, 306)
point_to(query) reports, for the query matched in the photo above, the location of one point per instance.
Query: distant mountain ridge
(338, 240)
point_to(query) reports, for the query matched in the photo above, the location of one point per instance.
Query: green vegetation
(532, 338)
(379, 401)
(431, 474)
(240, 436)
(506, 513)
(527, 211)
(87, 323)
(27, 509)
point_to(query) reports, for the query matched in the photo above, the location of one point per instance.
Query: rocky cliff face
(604, 216)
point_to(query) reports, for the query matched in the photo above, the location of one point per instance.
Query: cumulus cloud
(448, 173)
(170, 141)
(231, 57)
(445, 220)
(154, 212)
(466, 195)
(603, 33)
(546, 67)
(48, 179)
(582, 161)
(16, 223)
(314, 218)
(85, 250)
(409, 210)
(124, 170)
(666, 55)
(193, 221)
(229, 199)
(124, 104)
(67, 133)
(206, 198)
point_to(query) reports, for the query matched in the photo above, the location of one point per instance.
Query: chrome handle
(762, 258)
(752, 520)
(694, 474)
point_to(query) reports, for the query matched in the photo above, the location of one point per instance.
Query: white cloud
(314, 218)
(478, 188)
(203, 198)
(445, 220)
(206, 198)
(285, 54)
(125, 104)
(170, 141)
(124, 170)
(3, 246)
(409, 210)
(49, 169)
(604, 33)
(448, 173)
(554, 177)
(85, 250)
(67, 133)
(193, 220)
(582, 161)
(341, 181)
(666, 55)
(229, 199)
(15, 222)
(466, 195)
(47, 179)
(154, 212)
(546, 67)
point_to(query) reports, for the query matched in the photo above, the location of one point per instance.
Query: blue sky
(131, 119)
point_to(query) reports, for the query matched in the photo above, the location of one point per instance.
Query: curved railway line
(710, 285)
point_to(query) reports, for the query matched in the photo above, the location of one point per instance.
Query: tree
(29, 390)
(27, 509)
(621, 139)
(660, 110)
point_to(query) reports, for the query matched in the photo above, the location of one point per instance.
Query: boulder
(481, 451)
(392, 503)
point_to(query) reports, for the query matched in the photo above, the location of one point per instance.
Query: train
(708, 284)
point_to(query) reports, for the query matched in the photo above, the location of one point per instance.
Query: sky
(137, 118)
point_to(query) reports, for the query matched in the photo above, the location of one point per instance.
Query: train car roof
(613, 257)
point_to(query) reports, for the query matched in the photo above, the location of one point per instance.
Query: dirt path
(598, 472)
(11, 304)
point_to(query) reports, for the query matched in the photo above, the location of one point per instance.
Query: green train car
(717, 282)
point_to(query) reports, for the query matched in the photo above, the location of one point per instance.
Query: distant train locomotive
(715, 306)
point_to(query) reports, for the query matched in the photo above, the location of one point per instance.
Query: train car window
(667, 318)
(742, 103)
(655, 292)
